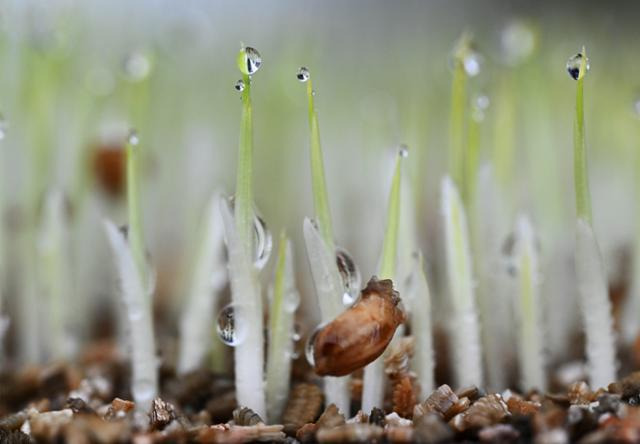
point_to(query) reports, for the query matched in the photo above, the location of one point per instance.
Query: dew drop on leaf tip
(303, 74)
(573, 65)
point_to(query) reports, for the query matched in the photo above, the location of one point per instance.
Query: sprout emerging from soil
(592, 283)
(373, 388)
(465, 329)
(321, 249)
(239, 230)
(285, 299)
(130, 255)
(528, 308)
(208, 279)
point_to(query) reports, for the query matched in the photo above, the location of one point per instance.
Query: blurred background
(75, 76)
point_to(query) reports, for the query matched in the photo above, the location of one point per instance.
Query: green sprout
(373, 384)
(136, 287)
(284, 302)
(528, 308)
(321, 250)
(239, 229)
(592, 280)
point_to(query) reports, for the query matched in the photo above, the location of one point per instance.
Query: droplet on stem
(573, 65)
(239, 86)
(136, 66)
(133, 137)
(3, 127)
(263, 241)
(231, 326)
(403, 151)
(249, 60)
(303, 74)
(350, 275)
(310, 345)
(518, 41)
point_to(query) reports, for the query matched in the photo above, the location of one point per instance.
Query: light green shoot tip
(135, 237)
(580, 165)
(390, 243)
(319, 185)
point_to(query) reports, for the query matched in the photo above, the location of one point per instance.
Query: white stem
(595, 306)
(247, 301)
(418, 298)
(494, 299)
(329, 291)
(138, 305)
(208, 279)
(54, 274)
(280, 351)
(373, 385)
(528, 308)
(465, 328)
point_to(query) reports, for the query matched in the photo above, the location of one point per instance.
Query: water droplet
(303, 74)
(249, 60)
(263, 241)
(480, 105)
(309, 346)
(472, 63)
(231, 326)
(295, 336)
(3, 127)
(573, 65)
(263, 244)
(350, 275)
(239, 86)
(295, 355)
(518, 41)
(133, 137)
(136, 66)
(403, 151)
(313, 92)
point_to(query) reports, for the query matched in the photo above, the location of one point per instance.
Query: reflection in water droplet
(350, 275)
(239, 86)
(309, 346)
(250, 59)
(303, 74)
(231, 326)
(573, 65)
(403, 151)
(136, 66)
(133, 138)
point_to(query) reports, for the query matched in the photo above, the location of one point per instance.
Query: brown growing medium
(360, 334)
(108, 166)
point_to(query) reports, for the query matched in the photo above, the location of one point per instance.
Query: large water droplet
(249, 60)
(136, 66)
(310, 345)
(573, 65)
(231, 325)
(263, 241)
(350, 275)
(303, 74)
(239, 86)
(133, 137)
(263, 244)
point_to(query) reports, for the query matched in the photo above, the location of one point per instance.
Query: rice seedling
(592, 284)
